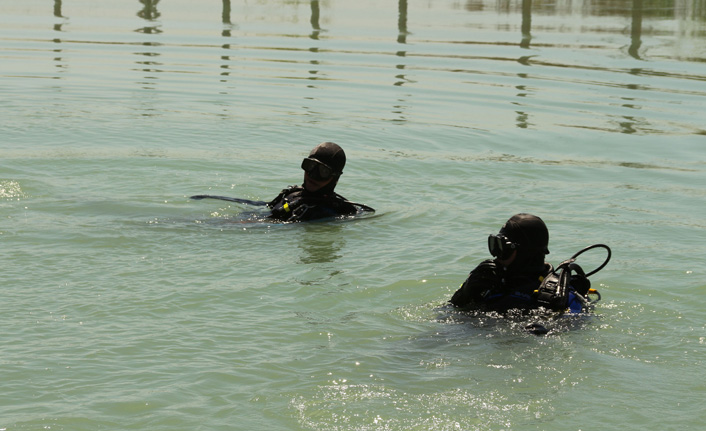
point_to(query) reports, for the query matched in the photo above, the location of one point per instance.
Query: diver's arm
(482, 280)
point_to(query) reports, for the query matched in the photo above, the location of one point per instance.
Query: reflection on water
(526, 23)
(576, 54)
(150, 14)
(402, 22)
(57, 13)
(398, 109)
(691, 9)
(454, 111)
(149, 66)
(636, 29)
(226, 32)
(225, 17)
(689, 14)
(315, 13)
(58, 59)
(316, 29)
(319, 249)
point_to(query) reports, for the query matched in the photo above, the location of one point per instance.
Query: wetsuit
(527, 282)
(296, 204)
(493, 288)
(496, 288)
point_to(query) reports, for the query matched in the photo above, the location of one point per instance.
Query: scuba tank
(567, 287)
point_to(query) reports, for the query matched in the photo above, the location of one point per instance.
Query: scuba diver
(519, 278)
(315, 198)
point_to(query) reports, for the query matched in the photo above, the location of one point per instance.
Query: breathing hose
(590, 247)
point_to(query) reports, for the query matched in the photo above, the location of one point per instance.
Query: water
(127, 306)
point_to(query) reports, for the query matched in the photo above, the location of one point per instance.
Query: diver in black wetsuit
(510, 280)
(315, 198)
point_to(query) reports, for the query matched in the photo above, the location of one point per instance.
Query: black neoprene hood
(330, 154)
(532, 237)
(527, 230)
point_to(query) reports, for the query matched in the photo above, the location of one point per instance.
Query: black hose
(607, 259)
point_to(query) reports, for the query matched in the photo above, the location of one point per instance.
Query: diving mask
(317, 170)
(501, 247)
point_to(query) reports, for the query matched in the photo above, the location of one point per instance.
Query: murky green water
(127, 306)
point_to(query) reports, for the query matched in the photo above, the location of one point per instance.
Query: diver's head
(323, 167)
(521, 243)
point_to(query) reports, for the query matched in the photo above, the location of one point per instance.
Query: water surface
(128, 306)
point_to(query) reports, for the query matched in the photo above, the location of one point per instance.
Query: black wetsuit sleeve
(342, 206)
(482, 280)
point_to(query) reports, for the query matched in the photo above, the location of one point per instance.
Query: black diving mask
(317, 170)
(501, 247)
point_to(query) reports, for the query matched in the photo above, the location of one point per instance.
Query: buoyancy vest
(566, 288)
(490, 286)
(296, 204)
